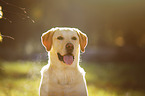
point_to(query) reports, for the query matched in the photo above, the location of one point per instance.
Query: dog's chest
(64, 77)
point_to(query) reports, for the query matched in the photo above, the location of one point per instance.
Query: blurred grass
(22, 78)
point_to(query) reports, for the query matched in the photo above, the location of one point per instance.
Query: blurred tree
(108, 24)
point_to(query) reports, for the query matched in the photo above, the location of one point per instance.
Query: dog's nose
(69, 47)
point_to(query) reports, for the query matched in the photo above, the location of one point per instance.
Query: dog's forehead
(65, 33)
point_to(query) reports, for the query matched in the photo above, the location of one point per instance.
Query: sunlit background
(114, 60)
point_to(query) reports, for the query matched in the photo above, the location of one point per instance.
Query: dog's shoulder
(44, 69)
(81, 70)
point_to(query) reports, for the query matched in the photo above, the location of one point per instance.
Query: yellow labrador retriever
(63, 76)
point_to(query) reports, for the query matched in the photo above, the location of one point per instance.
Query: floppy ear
(46, 39)
(83, 39)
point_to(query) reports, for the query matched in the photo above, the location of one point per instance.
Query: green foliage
(22, 79)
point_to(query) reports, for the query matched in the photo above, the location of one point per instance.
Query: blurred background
(115, 56)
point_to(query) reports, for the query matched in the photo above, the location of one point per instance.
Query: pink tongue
(68, 59)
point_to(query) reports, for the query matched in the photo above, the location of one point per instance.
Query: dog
(63, 76)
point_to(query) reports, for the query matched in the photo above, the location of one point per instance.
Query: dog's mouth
(67, 58)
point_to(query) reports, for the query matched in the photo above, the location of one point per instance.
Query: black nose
(69, 47)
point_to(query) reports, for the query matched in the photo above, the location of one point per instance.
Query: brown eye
(60, 38)
(74, 38)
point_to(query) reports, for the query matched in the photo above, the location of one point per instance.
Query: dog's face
(65, 43)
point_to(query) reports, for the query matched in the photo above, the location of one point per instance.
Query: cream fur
(58, 78)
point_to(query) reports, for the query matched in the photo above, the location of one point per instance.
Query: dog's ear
(83, 39)
(46, 39)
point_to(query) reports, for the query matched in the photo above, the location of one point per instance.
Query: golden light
(1, 38)
(1, 13)
(119, 41)
(36, 13)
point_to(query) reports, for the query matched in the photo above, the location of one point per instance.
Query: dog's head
(65, 43)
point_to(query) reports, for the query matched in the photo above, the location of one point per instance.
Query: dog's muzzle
(68, 58)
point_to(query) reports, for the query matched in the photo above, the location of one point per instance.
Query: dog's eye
(60, 38)
(74, 38)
